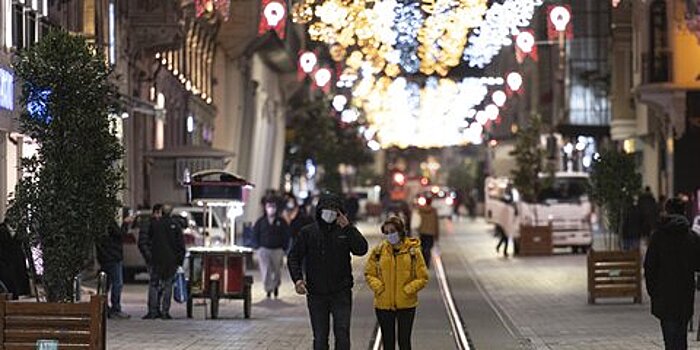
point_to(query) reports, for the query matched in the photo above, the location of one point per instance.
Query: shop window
(659, 53)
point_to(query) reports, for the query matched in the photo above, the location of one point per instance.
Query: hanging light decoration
(515, 81)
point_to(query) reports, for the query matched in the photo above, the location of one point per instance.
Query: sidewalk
(545, 298)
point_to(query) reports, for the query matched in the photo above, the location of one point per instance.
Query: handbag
(180, 292)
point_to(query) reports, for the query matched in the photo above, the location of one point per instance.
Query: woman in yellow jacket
(396, 272)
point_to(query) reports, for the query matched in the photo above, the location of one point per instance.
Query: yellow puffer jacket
(396, 276)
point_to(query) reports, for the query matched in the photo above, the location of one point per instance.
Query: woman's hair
(396, 222)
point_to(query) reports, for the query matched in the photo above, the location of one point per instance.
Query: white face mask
(393, 238)
(291, 205)
(271, 211)
(328, 215)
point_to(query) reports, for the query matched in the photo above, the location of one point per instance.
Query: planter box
(614, 274)
(73, 325)
(535, 240)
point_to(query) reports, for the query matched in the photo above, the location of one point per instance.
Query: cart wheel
(214, 296)
(247, 302)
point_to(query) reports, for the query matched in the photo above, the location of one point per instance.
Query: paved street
(515, 303)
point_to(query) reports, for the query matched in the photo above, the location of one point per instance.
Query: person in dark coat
(110, 255)
(633, 224)
(13, 267)
(295, 216)
(650, 212)
(319, 264)
(167, 253)
(271, 239)
(669, 269)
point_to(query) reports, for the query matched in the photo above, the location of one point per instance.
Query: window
(28, 23)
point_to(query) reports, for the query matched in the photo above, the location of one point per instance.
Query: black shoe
(166, 317)
(150, 316)
(277, 293)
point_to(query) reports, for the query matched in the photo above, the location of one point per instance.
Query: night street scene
(349, 174)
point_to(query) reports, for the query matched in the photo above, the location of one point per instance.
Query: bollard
(102, 283)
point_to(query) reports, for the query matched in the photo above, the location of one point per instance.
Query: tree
(614, 182)
(314, 133)
(529, 158)
(69, 194)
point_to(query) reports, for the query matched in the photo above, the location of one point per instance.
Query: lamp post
(559, 17)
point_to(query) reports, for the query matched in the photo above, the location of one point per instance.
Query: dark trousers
(387, 323)
(426, 242)
(321, 308)
(503, 241)
(675, 336)
(115, 283)
(160, 292)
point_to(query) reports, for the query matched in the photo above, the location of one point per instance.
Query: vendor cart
(219, 273)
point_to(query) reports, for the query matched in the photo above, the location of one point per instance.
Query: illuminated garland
(500, 23)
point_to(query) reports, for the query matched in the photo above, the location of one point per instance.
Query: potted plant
(529, 155)
(68, 195)
(614, 183)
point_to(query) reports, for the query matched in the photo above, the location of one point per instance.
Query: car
(443, 200)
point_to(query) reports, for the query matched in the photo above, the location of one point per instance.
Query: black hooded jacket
(320, 254)
(669, 268)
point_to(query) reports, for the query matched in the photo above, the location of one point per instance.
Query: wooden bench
(73, 325)
(614, 274)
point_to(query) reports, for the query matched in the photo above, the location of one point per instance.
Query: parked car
(194, 232)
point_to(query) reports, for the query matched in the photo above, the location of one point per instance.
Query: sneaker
(120, 315)
(166, 317)
(149, 316)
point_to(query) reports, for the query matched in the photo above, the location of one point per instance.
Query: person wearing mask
(295, 216)
(319, 264)
(669, 270)
(110, 256)
(429, 228)
(396, 272)
(145, 246)
(167, 253)
(271, 238)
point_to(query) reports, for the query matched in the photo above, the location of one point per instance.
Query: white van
(565, 205)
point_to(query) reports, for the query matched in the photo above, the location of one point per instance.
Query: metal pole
(102, 283)
(76, 288)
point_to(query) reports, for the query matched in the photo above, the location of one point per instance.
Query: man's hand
(300, 287)
(342, 220)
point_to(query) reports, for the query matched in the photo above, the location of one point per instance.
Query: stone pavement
(275, 324)
(545, 298)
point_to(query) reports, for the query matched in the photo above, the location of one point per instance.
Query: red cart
(219, 273)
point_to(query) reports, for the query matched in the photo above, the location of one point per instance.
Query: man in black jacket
(319, 263)
(110, 255)
(167, 253)
(669, 269)
(271, 238)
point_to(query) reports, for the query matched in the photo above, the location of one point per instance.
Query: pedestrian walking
(650, 212)
(271, 239)
(295, 216)
(502, 241)
(396, 272)
(110, 256)
(319, 264)
(669, 269)
(633, 225)
(429, 228)
(166, 255)
(13, 264)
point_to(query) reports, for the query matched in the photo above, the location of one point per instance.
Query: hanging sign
(7, 90)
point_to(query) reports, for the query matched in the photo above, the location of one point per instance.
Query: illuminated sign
(273, 17)
(7, 90)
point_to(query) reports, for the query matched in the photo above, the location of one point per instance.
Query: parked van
(564, 204)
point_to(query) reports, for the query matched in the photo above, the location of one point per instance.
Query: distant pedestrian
(271, 238)
(669, 269)
(633, 224)
(167, 254)
(650, 212)
(502, 241)
(319, 264)
(429, 228)
(13, 264)
(110, 255)
(396, 272)
(295, 216)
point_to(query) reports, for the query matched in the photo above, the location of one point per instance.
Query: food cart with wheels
(218, 271)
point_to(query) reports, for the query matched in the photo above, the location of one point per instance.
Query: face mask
(393, 238)
(271, 211)
(329, 216)
(290, 205)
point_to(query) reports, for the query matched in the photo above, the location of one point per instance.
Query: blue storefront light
(37, 105)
